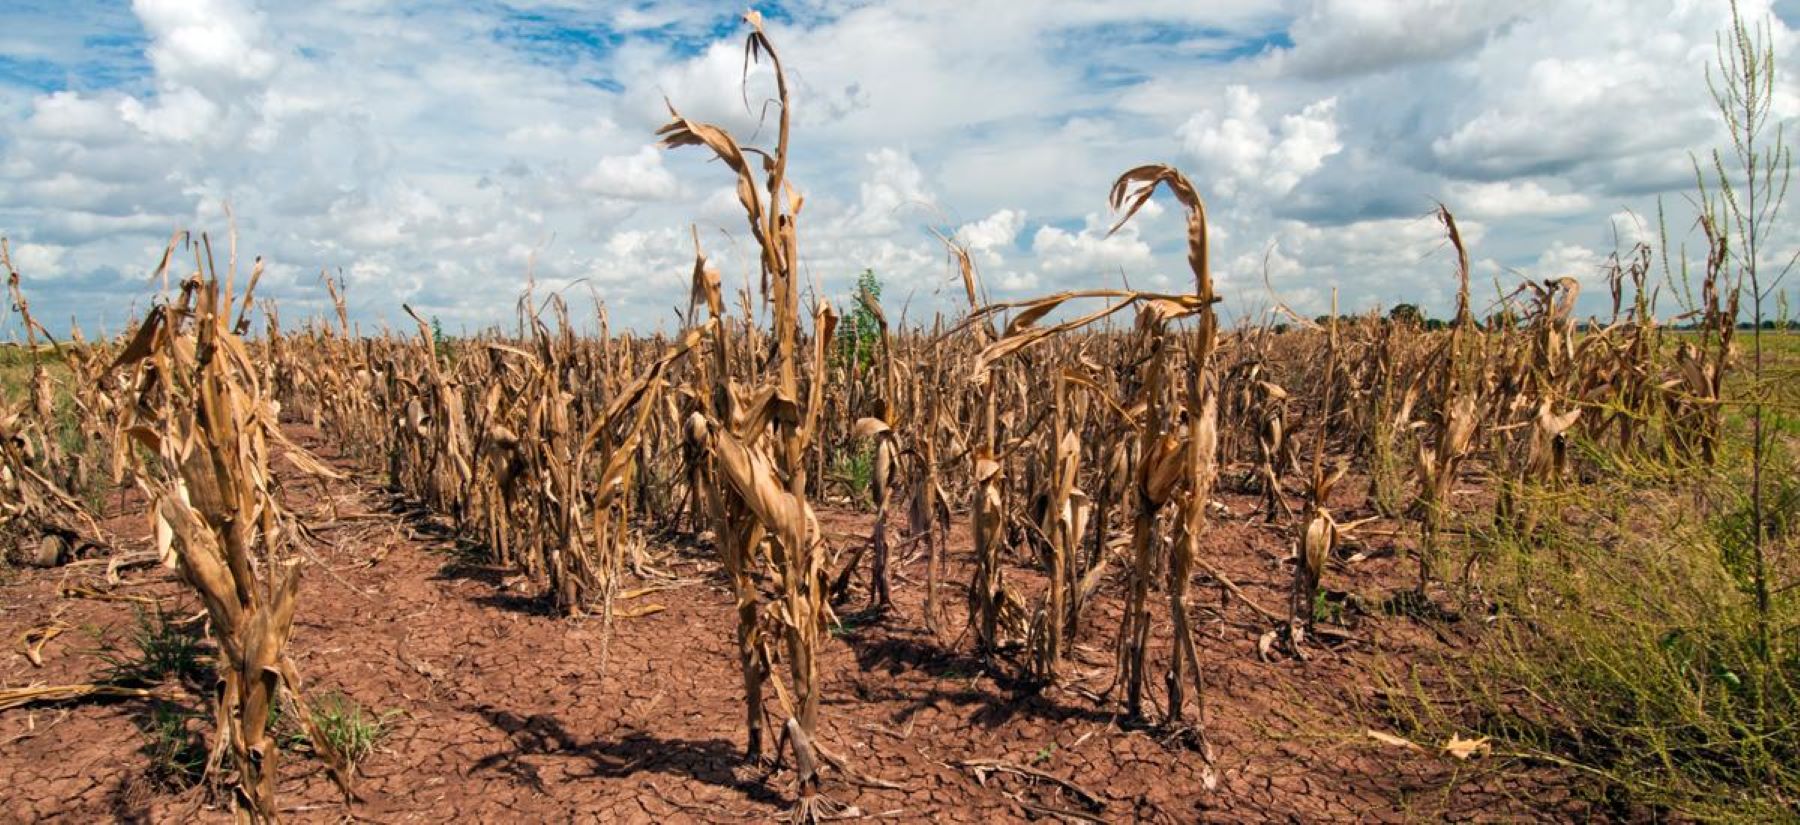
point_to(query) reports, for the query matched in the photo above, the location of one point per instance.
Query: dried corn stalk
(1454, 423)
(759, 451)
(1202, 408)
(42, 520)
(201, 407)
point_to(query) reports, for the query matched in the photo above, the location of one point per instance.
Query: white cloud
(205, 43)
(38, 260)
(1633, 229)
(1091, 251)
(180, 115)
(995, 231)
(437, 153)
(637, 176)
(1568, 260)
(1240, 152)
(993, 236)
(1543, 98)
(71, 116)
(1018, 281)
(1370, 263)
(1503, 199)
(892, 187)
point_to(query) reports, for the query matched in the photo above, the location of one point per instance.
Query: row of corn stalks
(1084, 436)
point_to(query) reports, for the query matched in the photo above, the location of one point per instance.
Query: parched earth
(500, 712)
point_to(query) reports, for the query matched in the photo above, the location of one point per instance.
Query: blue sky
(443, 154)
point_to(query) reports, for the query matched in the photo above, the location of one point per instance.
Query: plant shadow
(712, 761)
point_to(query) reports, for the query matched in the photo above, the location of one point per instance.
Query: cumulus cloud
(443, 156)
(891, 186)
(1241, 151)
(637, 176)
(210, 44)
(1092, 250)
(1503, 199)
(1541, 99)
(43, 260)
(1568, 260)
(1370, 263)
(993, 236)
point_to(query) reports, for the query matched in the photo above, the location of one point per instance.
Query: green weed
(857, 472)
(348, 727)
(176, 751)
(160, 650)
(1635, 658)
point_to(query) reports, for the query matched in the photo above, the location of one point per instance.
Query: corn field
(1048, 477)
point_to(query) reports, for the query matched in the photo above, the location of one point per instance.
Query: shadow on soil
(712, 761)
(894, 651)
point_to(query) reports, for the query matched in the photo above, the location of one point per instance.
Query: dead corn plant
(201, 409)
(1537, 401)
(1454, 420)
(44, 520)
(1319, 535)
(759, 448)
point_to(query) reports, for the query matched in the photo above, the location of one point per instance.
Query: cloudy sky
(440, 153)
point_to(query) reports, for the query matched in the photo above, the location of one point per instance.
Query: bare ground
(504, 713)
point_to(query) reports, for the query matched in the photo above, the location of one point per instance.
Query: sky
(445, 154)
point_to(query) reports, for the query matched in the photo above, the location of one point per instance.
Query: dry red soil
(503, 713)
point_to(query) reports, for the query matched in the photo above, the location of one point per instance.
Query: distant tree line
(1411, 315)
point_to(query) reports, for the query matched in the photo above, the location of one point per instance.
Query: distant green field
(1781, 380)
(1781, 377)
(15, 372)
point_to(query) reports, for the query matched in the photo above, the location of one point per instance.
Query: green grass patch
(176, 750)
(855, 470)
(349, 728)
(1625, 644)
(158, 650)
